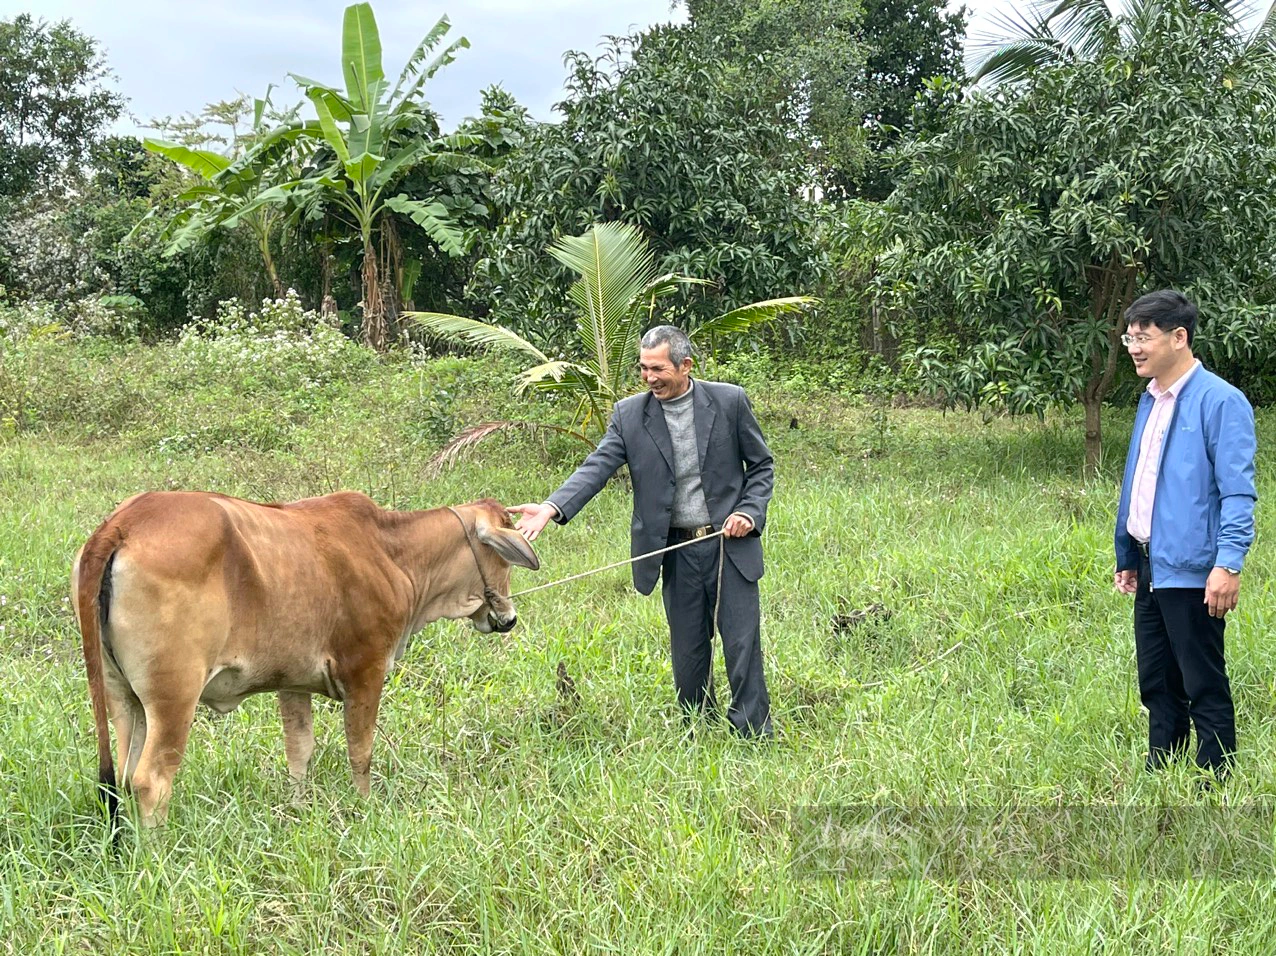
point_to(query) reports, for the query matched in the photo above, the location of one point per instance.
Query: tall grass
(939, 626)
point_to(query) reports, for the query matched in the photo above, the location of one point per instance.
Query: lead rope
(618, 564)
(717, 596)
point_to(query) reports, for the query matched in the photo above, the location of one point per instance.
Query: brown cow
(189, 597)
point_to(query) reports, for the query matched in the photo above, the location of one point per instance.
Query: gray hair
(679, 345)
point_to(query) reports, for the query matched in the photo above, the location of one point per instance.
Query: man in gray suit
(699, 463)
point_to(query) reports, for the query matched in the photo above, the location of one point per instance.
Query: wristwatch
(1232, 571)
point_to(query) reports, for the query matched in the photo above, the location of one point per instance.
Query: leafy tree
(53, 102)
(848, 69)
(652, 136)
(68, 246)
(615, 296)
(121, 167)
(910, 42)
(1045, 208)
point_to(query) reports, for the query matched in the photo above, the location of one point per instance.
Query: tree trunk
(392, 269)
(1093, 433)
(271, 272)
(327, 301)
(374, 328)
(1111, 292)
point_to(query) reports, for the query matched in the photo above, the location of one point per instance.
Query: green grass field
(940, 632)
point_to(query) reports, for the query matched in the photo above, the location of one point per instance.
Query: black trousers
(1182, 677)
(689, 590)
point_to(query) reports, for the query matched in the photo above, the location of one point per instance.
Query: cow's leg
(130, 736)
(168, 726)
(299, 733)
(129, 722)
(363, 696)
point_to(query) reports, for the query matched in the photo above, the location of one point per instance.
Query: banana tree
(372, 136)
(616, 295)
(233, 190)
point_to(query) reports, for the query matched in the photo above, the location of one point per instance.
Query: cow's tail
(93, 607)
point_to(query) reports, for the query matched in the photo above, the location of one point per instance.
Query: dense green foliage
(653, 135)
(1025, 215)
(847, 72)
(1035, 218)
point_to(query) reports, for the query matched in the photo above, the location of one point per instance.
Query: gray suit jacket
(736, 472)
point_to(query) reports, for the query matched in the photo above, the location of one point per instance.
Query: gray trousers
(689, 590)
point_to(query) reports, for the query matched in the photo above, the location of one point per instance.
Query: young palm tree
(616, 295)
(1055, 31)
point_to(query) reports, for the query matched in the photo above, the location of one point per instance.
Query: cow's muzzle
(502, 626)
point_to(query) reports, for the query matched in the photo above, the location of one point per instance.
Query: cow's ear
(511, 546)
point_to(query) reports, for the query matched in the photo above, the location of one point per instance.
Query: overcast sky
(173, 56)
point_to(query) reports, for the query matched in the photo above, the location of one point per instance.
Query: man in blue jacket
(1184, 526)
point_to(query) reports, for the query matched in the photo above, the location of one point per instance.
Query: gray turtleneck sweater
(689, 507)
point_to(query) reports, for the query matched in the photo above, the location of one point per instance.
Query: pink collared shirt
(1143, 492)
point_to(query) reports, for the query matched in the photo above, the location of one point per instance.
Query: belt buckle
(701, 531)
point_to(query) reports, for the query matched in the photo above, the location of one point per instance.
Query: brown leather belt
(690, 534)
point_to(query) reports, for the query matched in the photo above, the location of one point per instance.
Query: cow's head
(498, 547)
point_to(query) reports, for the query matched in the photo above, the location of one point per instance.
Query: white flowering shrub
(281, 348)
(104, 317)
(94, 316)
(26, 320)
(251, 378)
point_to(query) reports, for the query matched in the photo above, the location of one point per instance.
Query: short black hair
(1167, 309)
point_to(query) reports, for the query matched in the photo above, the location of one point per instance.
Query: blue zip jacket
(1203, 514)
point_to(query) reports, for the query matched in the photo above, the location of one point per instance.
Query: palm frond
(1013, 61)
(1079, 25)
(747, 316)
(666, 284)
(559, 376)
(465, 442)
(457, 328)
(1264, 36)
(614, 263)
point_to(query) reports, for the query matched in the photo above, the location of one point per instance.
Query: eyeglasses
(1140, 340)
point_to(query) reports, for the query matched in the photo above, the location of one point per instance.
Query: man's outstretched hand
(534, 518)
